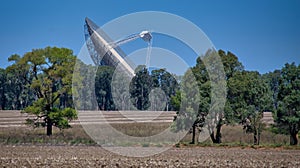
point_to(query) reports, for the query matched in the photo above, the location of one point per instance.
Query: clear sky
(263, 34)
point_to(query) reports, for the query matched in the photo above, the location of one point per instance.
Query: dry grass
(141, 129)
(236, 134)
(29, 135)
(77, 135)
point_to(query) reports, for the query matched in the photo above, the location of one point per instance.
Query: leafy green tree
(250, 96)
(206, 113)
(186, 103)
(215, 117)
(51, 72)
(103, 88)
(2, 89)
(84, 92)
(231, 63)
(254, 125)
(140, 88)
(18, 92)
(120, 87)
(204, 96)
(167, 83)
(273, 80)
(231, 66)
(288, 112)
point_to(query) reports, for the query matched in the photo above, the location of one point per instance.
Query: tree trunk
(212, 137)
(218, 134)
(255, 137)
(49, 127)
(167, 106)
(258, 137)
(194, 134)
(218, 137)
(293, 138)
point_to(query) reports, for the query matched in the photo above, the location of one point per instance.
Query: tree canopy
(48, 73)
(40, 83)
(288, 111)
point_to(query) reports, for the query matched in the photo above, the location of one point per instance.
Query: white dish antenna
(104, 51)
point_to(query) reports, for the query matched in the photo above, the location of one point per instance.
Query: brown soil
(95, 156)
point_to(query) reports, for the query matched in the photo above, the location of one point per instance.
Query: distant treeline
(41, 80)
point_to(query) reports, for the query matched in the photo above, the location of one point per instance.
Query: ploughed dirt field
(95, 156)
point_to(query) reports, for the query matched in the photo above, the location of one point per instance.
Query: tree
(253, 124)
(231, 63)
(214, 77)
(186, 103)
(231, 66)
(103, 88)
(140, 88)
(204, 90)
(18, 93)
(249, 97)
(83, 86)
(51, 72)
(120, 88)
(273, 80)
(167, 83)
(288, 112)
(2, 89)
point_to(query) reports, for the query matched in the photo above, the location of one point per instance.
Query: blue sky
(263, 34)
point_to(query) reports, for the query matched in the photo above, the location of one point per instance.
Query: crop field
(94, 156)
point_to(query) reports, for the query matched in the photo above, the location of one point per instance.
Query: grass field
(231, 135)
(28, 147)
(13, 131)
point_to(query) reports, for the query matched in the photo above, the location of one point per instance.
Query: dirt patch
(95, 156)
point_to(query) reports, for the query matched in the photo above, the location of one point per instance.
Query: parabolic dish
(101, 51)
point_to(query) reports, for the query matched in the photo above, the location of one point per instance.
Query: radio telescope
(104, 51)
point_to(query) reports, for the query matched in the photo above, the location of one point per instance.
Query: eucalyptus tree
(186, 103)
(249, 96)
(140, 88)
(231, 65)
(288, 113)
(17, 89)
(103, 91)
(273, 79)
(167, 82)
(2, 89)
